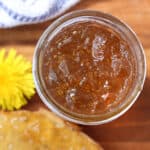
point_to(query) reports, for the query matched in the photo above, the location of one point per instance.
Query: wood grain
(132, 130)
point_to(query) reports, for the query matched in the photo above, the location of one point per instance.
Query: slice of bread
(41, 130)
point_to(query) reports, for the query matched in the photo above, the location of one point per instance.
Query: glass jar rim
(83, 119)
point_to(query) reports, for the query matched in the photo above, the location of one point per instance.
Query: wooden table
(132, 130)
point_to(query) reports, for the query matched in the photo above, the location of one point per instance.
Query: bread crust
(41, 130)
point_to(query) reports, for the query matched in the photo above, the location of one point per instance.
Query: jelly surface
(88, 67)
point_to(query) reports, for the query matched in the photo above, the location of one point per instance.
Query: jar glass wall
(111, 23)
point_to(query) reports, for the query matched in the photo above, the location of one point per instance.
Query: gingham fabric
(19, 12)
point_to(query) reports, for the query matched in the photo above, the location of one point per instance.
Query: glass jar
(116, 25)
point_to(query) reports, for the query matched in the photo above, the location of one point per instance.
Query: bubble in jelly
(70, 96)
(52, 76)
(64, 68)
(97, 47)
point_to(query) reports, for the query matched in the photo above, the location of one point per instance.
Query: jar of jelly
(89, 67)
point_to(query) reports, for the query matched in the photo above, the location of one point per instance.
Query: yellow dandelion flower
(16, 81)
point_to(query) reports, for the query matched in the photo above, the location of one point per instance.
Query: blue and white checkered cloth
(19, 12)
